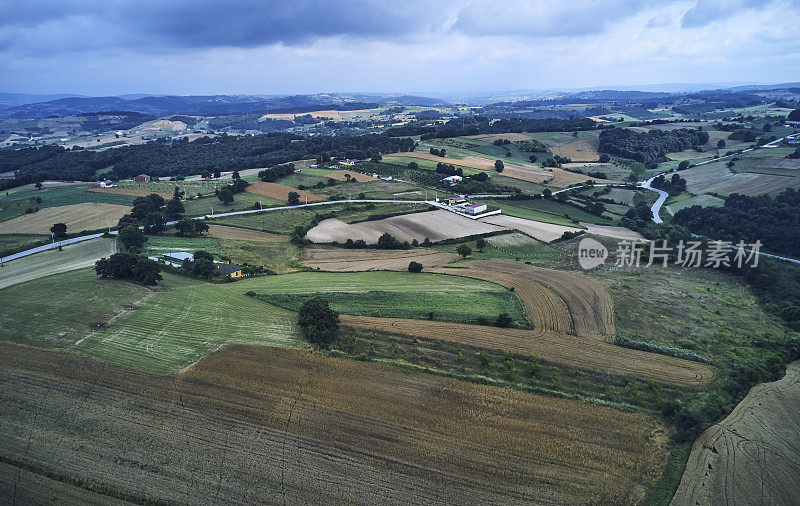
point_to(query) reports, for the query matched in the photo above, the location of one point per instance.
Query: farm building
(176, 259)
(348, 162)
(104, 184)
(142, 178)
(476, 208)
(453, 179)
(230, 270)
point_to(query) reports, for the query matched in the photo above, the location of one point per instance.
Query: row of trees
(475, 125)
(274, 173)
(674, 186)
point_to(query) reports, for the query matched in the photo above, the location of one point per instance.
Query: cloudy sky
(306, 46)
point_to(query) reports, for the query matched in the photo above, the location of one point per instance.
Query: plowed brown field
(281, 192)
(751, 457)
(573, 320)
(265, 425)
(342, 260)
(360, 178)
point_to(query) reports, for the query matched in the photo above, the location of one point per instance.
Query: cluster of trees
(531, 146)
(414, 267)
(129, 266)
(388, 241)
(651, 147)
(475, 125)
(191, 228)
(744, 135)
(438, 152)
(226, 193)
(674, 185)
(501, 142)
(150, 213)
(319, 323)
(774, 221)
(201, 266)
(245, 122)
(221, 153)
(276, 172)
(444, 168)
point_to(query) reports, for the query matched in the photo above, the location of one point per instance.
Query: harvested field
(130, 192)
(622, 233)
(486, 165)
(751, 457)
(539, 230)
(493, 137)
(360, 178)
(78, 217)
(435, 225)
(281, 192)
(717, 178)
(583, 150)
(306, 428)
(242, 234)
(573, 322)
(341, 260)
(562, 178)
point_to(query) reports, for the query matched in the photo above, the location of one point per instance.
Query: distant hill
(200, 104)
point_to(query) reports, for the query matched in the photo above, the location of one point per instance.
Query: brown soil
(265, 425)
(341, 260)
(751, 457)
(281, 192)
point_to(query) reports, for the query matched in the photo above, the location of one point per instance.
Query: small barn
(142, 178)
(233, 271)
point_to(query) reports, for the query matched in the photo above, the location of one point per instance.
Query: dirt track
(753, 455)
(573, 322)
(255, 425)
(343, 260)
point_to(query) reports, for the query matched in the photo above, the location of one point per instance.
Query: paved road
(51, 246)
(662, 197)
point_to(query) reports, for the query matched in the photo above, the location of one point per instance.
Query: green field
(58, 310)
(241, 202)
(285, 221)
(158, 245)
(12, 243)
(697, 200)
(279, 257)
(396, 295)
(548, 211)
(14, 202)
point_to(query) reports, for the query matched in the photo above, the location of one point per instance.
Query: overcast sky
(306, 46)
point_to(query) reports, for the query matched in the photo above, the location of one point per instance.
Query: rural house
(233, 271)
(142, 178)
(476, 208)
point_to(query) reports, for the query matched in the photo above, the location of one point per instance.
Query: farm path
(572, 319)
(750, 457)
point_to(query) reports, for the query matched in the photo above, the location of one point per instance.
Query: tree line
(652, 147)
(475, 125)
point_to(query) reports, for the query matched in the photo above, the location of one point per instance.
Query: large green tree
(320, 323)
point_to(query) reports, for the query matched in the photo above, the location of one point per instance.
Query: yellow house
(231, 270)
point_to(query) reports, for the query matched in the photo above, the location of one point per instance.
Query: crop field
(621, 233)
(523, 173)
(697, 200)
(279, 257)
(387, 294)
(583, 150)
(72, 257)
(562, 178)
(77, 217)
(518, 245)
(11, 243)
(621, 195)
(545, 232)
(281, 192)
(493, 137)
(340, 260)
(129, 192)
(434, 225)
(192, 188)
(18, 200)
(285, 221)
(751, 454)
(242, 234)
(717, 178)
(573, 325)
(157, 245)
(186, 321)
(297, 424)
(542, 207)
(339, 175)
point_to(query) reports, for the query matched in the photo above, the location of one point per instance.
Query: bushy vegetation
(320, 323)
(276, 172)
(475, 125)
(674, 185)
(651, 147)
(129, 266)
(775, 221)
